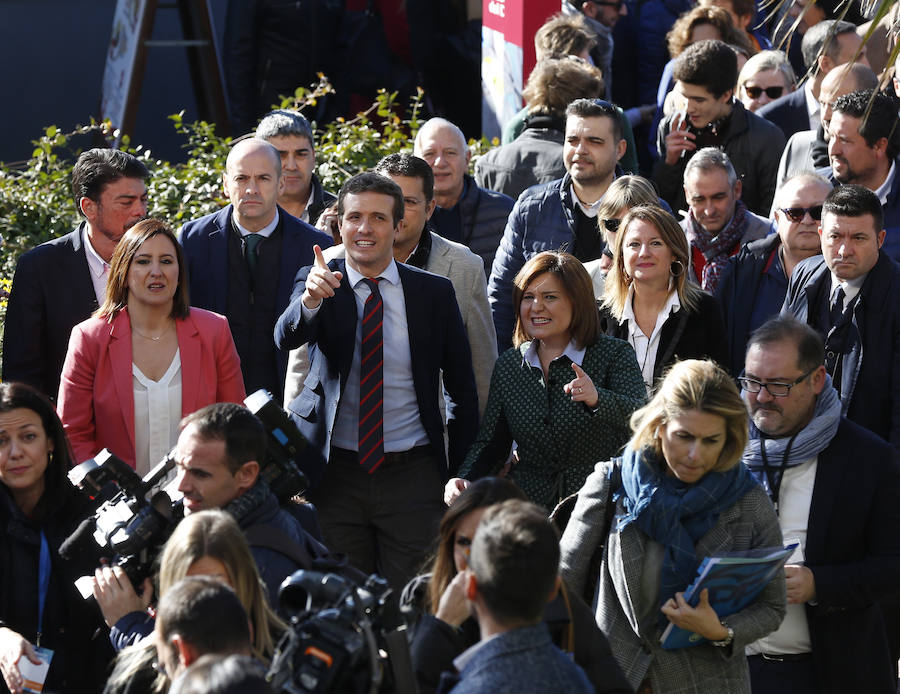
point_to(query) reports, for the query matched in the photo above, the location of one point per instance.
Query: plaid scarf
(717, 249)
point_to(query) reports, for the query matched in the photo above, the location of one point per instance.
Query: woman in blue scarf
(680, 494)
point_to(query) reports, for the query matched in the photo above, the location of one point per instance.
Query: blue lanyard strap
(43, 583)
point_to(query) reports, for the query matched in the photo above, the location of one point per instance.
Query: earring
(677, 268)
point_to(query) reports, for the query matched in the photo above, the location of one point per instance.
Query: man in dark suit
(382, 334)
(835, 487)
(242, 260)
(62, 282)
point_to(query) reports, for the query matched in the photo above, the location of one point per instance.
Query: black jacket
(870, 372)
(484, 214)
(686, 334)
(737, 294)
(321, 199)
(72, 627)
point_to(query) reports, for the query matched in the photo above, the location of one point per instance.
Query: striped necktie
(371, 381)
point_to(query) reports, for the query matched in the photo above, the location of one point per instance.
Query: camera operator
(218, 458)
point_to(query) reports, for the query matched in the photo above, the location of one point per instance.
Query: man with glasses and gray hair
(754, 282)
(813, 462)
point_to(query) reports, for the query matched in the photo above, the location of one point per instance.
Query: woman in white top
(145, 359)
(650, 303)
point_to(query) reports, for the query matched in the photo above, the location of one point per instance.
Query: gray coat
(750, 523)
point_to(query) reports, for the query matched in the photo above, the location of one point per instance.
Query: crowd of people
(535, 399)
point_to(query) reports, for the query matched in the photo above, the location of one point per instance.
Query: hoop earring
(680, 269)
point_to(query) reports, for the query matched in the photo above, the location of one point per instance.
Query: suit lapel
(829, 474)
(290, 250)
(345, 309)
(417, 300)
(189, 347)
(218, 259)
(438, 259)
(625, 560)
(121, 360)
(79, 272)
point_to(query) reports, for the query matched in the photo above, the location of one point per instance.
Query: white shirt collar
(589, 210)
(390, 274)
(812, 104)
(885, 188)
(851, 288)
(96, 264)
(673, 303)
(572, 351)
(265, 232)
(309, 201)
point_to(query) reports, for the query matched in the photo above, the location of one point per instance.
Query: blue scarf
(674, 513)
(789, 451)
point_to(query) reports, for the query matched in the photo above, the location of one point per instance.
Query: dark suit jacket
(853, 550)
(788, 112)
(205, 243)
(51, 293)
(437, 343)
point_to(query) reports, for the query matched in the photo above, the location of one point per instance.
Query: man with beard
(813, 462)
(561, 214)
(864, 149)
(62, 282)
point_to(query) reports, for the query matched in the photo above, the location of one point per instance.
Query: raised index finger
(579, 372)
(320, 259)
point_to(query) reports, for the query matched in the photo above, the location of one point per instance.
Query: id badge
(35, 675)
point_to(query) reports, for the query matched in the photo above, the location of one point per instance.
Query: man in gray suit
(416, 245)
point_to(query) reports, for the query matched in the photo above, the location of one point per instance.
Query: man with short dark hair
(382, 335)
(62, 282)
(291, 134)
(561, 214)
(718, 224)
(825, 45)
(849, 294)
(754, 282)
(512, 573)
(242, 260)
(222, 674)
(196, 616)
(811, 460)
(705, 75)
(465, 212)
(865, 149)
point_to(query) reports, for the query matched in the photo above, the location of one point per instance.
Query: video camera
(135, 516)
(338, 640)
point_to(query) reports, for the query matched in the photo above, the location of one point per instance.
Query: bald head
(798, 211)
(253, 182)
(844, 79)
(251, 147)
(443, 146)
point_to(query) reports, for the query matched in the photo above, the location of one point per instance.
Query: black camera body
(337, 641)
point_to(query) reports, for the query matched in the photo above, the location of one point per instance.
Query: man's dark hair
(411, 166)
(710, 64)
(206, 613)
(853, 200)
(369, 182)
(222, 674)
(242, 432)
(822, 39)
(878, 117)
(97, 168)
(282, 122)
(810, 348)
(597, 108)
(515, 559)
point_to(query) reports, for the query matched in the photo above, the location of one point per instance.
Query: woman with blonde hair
(680, 494)
(208, 543)
(563, 393)
(650, 303)
(766, 76)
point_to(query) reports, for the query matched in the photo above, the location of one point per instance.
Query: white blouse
(646, 347)
(157, 413)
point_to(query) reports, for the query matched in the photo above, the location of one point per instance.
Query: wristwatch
(727, 640)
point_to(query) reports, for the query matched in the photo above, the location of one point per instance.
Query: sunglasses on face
(796, 214)
(611, 224)
(771, 92)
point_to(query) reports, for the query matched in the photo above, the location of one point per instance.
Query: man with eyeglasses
(851, 296)
(754, 282)
(835, 488)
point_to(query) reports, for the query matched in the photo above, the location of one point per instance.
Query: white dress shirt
(157, 413)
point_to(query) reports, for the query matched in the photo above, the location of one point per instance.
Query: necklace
(148, 337)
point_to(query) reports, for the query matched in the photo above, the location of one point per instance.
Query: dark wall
(54, 52)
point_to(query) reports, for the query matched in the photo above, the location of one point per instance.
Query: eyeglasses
(618, 4)
(611, 224)
(796, 214)
(776, 390)
(771, 92)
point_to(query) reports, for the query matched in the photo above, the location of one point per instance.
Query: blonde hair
(617, 281)
(698, 385)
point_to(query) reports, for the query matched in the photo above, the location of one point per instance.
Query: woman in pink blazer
(146, 358)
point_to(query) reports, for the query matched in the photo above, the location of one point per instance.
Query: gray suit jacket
(797, 156)
(465, 270)
(750, 523)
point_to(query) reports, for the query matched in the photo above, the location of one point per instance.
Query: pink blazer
(96, 395)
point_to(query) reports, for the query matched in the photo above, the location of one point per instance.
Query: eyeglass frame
(761, 90)
(743, 380)
(791, 213)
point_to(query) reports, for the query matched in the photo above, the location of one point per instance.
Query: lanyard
(774, 473)
(43, 583)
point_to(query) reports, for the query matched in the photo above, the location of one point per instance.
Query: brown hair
(617, 281)
(120, 265)
(556, 82)
(563, 35)
(679, 36)
(585, 326)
